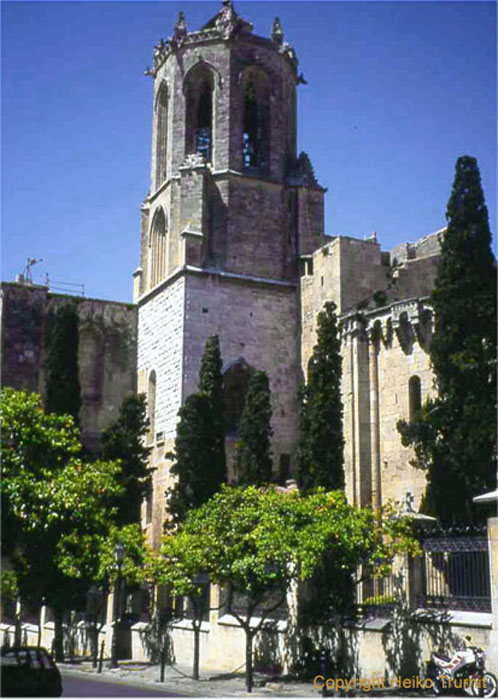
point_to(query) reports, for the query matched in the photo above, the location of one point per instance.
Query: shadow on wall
(156, 639)
(401, 639)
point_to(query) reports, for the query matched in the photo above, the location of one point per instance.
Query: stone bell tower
(231, 209)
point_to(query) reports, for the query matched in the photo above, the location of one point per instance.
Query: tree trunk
(249, 671)
(58, 643)
(197, 639)
(18, 628)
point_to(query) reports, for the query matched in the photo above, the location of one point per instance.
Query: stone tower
(231, 210)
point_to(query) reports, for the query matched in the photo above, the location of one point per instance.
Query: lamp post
(119, 552)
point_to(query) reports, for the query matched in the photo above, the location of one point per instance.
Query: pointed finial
(277, 33)
(180, 27)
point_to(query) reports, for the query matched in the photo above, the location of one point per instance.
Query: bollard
(101, 659)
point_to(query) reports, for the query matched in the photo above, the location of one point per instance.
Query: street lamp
(119, 552)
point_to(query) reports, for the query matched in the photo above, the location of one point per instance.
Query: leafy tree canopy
(257, 541)
(59, 508)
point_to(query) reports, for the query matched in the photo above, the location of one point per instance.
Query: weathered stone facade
(386, 330)
(106, 352)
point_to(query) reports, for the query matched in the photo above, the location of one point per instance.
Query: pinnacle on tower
(277, 33)
(180, 27)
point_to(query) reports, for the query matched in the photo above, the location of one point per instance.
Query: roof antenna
(25, 277)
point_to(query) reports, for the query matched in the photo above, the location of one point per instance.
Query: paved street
(77, 685)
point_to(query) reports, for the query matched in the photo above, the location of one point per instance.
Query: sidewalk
(178, 680)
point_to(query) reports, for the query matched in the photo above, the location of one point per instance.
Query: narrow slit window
(415, 396)
(162, 136)
(151, 405)
(251, 144)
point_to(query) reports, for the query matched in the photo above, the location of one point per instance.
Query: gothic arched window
(256, 126)
(199, 116)
(235, 383)
(415, 396)
(161, 135)
(157, 248)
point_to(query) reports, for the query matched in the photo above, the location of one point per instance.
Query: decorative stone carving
(193, 160)
(161, 51)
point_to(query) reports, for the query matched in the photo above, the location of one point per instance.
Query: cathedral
(233, 244)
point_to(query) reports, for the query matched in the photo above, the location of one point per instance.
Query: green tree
(192, 458)
(61, 506)
(124, 440)
(256, 542)
(253, 460)
(180, 567)
(199, 461)
(455, 435)
(62, 384)
(321, 441)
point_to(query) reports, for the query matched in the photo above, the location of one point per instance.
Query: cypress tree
(62, 384)
(455, 437)
(193, 458)
(321, 441)
(253, 460)
(199, 461)
(125, 440)
(211, 385)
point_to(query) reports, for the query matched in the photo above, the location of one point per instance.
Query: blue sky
(396, 92)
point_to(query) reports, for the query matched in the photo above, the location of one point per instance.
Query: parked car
(29, 672)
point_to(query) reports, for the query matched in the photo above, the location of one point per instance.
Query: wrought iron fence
(456, 573)
(376, 596)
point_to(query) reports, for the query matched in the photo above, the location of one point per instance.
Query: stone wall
(256, 320)
(386, 331)
(106, 354)
(380, 356)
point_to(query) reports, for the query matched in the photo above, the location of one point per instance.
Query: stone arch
(201, 62)
(157, 247)
(161, 131)
(236, 376)
(256, 116)
(199, 90)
